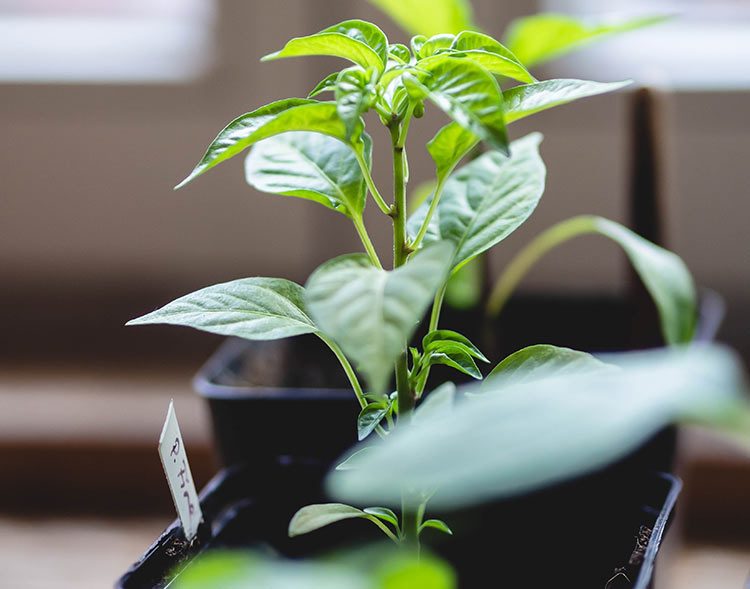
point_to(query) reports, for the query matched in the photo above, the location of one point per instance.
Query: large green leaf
(312, 166)
(233, 138)
(492, 55)
(467, 93)
(372, 313)
(543, 360)
(486, 200)
(429, 17)
(663, 273)
(545, 430)
(294, 114)
(250, 308)
(542, 37)
(356, 40)
(523, 101)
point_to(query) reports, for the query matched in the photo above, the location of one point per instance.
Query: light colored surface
(71, 554)
(706, 567)
(90, 406)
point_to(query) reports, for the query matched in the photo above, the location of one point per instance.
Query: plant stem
(406, 397)
(437, 305)
(430, 212)
(530, 254)
(409, 524)
(365, 238)
(351, 375)
(363, 165)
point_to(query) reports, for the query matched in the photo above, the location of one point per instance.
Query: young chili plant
(366, 308)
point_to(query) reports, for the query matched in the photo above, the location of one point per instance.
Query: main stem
(406, 397)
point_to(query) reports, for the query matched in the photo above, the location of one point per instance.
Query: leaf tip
(271, 56)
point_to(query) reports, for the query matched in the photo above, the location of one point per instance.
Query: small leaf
(399, 52)
(523, 101)
(327, 84)
(436, 524)
(466, 92)
(319, 515)
(355, 93)
(435, 44)
(372, 313)
(369, 418)
(491, 55)
(449, 145)
(486, 200)
(311, 166)
(437, 403)
(543, 360)
(283, 116)
(542, 37)
(383, 513)
(446, 335)
(456, 356)
(356, 40)
(351, 462)
(250, 308)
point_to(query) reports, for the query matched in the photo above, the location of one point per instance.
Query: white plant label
(179, 478)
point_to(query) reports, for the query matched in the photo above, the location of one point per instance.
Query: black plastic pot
(569, 536)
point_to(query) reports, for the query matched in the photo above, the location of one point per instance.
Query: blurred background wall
(91, 232)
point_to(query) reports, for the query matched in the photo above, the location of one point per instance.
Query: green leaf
(542, 37)
(294, 114)
(369, 418)
(327, 84)
(409, 572)
(436, 524)
(437, 403)
(491, 55)
(454, 355)
(239, 570)
(355, 93)
(546, 430)
(486, 200)
(435, 44)
(399, 52)
(428, 17)
(319, 515)
(543, 360)
(466, 92)
(446, 335)
(372, 313)
(352, 460)
(449, 145)
(383, 513)
(250, 308)
(233, 138)
(311, 166)
(663, 273)
(523, 101)
(356, 40)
